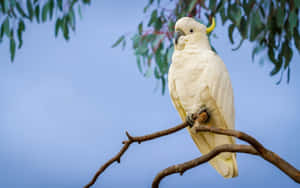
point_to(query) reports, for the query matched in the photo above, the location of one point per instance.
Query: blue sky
(66, 105)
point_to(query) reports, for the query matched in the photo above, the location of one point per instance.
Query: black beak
(177, 35)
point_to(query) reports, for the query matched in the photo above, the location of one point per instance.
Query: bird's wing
(219, 100)
(175, 99)
(220, 88)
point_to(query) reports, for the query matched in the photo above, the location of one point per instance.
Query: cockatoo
(199, 81)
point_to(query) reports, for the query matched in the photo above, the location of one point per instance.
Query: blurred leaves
(273, 26)
(15, 15)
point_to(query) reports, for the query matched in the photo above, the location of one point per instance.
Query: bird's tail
(225, 163)
(226, 167)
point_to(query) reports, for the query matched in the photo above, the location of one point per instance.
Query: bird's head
(188, 30)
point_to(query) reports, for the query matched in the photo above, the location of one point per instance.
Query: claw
(190, 120)
(202, 116)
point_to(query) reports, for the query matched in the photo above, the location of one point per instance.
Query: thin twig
(127, 143)
(256, 148)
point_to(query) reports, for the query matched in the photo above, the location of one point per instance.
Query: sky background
(65, 106)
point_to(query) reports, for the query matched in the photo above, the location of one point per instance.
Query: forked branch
(127, 143)
(255, 148)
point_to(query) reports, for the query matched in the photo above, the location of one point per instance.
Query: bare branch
(127, 143)
(268, 155)
(256, 148)
(181, 168)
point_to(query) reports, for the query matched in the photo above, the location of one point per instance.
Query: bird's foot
(190, 119)
(202, 116)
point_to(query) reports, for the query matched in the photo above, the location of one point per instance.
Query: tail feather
(224, 163)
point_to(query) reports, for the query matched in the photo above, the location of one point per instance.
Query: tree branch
(181, 168)
(127, 143)
(266, 154)
(256, 148)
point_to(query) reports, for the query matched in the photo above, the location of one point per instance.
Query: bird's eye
(191, 30)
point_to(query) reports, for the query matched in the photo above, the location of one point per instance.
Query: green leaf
(297, 39)
(86, 1)
(153, 17)
(262, 11)
(29, 9)
(140, 28)
(6, 6)
(280, 14)
(256, 50)
(118, 41)
(158, 59)
(6, 27)
(220, 5)
(60, 4)
(230, 33)
(79, 12)
(287, 53)
(271, 55)
(293, 19)
(223, 15)
(158, 24)
(65, 27)
(212, 4)
(72, 18)
(235, 14)
(171, 26)
(45, 11)
(256, 26)
(12, 47)
(37, 13)
(163, 81)
(278, 65)
(51, 8)
(20, 10)
(21, 29)
(156, 73)
(138, 60)
(169, 54)
(146, 8)
(148, 72)
(288, 75)
(123, 44)
(243, 28)
(297, 3)
(157, 40)
(191, 5)
(248, 6)
(58, 24)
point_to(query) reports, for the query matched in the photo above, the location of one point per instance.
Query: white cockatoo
(199, 81)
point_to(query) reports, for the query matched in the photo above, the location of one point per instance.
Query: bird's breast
(188, 72)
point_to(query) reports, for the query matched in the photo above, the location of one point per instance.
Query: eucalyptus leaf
(45, 11)
(21, 29)
(230, 33)
(12, 47)
(30, 9)
(20, 10)
(118, 41)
